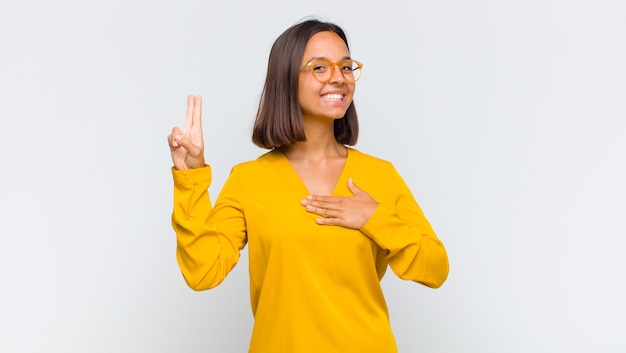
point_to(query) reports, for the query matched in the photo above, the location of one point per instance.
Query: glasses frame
(309, 67)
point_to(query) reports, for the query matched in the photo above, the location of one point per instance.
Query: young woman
(318, 244)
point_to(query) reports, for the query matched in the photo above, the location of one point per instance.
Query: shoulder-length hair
(279, 117)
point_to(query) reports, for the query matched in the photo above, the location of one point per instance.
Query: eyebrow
(325, 58)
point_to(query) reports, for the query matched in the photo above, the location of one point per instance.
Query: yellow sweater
(313, 288)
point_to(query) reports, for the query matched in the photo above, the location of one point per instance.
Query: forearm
(205, 257)
(413, 250)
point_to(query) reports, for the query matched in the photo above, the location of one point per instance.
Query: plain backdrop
(506, 118)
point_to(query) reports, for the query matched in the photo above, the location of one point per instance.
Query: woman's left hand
(350, 212)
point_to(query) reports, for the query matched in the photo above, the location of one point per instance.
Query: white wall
(505, 117)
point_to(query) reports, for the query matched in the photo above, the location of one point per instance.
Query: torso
(313, 288)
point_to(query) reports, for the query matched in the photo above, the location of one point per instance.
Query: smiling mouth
(333, 97)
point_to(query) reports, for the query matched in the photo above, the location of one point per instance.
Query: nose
(336, 76)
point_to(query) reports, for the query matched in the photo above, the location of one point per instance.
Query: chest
(320, 178)
(278, 224)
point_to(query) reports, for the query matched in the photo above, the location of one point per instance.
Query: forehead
(325, 44)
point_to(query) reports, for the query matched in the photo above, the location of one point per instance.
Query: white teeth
(332, 97)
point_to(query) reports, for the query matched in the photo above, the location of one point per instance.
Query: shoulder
(364, 159)
(263, 162)
(373, 172)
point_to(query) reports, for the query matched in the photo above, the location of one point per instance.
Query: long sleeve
(208, 239)
(399, 226)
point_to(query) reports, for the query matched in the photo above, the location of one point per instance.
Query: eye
(348, 66)
(319, 67)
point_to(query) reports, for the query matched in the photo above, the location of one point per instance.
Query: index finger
(323, 200)
(197, 113)
(189, 116)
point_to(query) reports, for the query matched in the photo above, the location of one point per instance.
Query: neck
(320, 142)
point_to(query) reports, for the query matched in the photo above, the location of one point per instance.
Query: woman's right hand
(187, 146)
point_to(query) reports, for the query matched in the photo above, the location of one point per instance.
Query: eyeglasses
(324, 69)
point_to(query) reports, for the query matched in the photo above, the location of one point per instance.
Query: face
(330, 99)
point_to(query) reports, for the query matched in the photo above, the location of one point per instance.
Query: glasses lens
(321, 69)
(350, 70)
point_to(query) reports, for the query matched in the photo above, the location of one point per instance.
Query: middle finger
(197, 113)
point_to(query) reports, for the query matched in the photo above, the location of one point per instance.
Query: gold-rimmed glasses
(324, 69)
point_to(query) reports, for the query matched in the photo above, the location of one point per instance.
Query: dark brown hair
(279, 117)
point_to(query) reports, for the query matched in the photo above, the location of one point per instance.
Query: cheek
(350, 94)
(309, 91)
(352, 88)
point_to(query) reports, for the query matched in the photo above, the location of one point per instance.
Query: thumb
(186, 143)
(352, 187)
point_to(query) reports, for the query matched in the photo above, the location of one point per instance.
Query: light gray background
(506, 118)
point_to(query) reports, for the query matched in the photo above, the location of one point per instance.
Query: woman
(318, 244)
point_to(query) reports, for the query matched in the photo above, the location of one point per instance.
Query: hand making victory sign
(187, 146)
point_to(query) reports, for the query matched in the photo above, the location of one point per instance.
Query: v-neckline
(298, 184)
